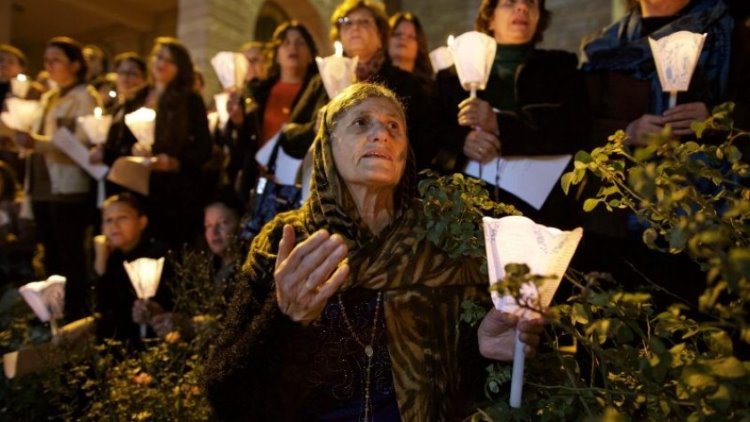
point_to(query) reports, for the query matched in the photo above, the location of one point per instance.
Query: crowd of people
(336, 316)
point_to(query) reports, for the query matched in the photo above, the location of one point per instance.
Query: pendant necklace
(367, 348)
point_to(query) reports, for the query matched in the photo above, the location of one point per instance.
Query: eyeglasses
(512, 3)
(365, 23)
(130, 74)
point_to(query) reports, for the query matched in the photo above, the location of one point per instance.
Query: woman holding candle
(182, 144)
(362, 28)
(61, 192)
(274, 99)
(533, 104)
(345, 315)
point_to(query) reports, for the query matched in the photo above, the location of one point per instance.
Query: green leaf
(583, 157)
(720, 343)
(729, 367)
(590, 204)
(566, 180)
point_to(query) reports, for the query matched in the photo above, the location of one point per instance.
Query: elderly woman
(534, 102)
(346, 315)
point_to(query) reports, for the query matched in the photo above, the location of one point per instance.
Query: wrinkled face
(370, 145)
(10, 66)
(403, 42)
(163, 66)
(294, 51)
(359, 34)
(122, 226)
(129, 77)
(515, 21)
(61, 70)
(255, 68)
(221, 225)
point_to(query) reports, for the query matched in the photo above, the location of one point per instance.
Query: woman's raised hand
(309, 273)
(473, 112)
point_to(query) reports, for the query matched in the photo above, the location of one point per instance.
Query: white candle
(450, 40)
(339, 49)
(98, 112)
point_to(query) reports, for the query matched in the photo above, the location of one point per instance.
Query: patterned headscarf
(621, 48)
(423, 288)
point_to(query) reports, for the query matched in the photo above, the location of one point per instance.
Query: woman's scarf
(621, 48)
(423, 288)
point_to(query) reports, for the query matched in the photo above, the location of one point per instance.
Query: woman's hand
(145, 309)
(680, 117)
(642, 126)
(25, 140)
(481, 146)
(473, 112)
(164, 162)
(497, 335)
(163, 323)
(309, 273)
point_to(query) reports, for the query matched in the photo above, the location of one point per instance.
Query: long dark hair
(376, 8)
(486, 14)
(274, 71)
(422, 66)
(73, 51)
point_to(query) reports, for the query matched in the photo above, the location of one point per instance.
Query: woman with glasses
(362, 28)
(534, 102)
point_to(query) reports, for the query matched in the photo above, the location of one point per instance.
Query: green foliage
(109, 382)
(453, 207)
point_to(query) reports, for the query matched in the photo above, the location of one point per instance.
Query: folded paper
(73, 148)
(142, 122)
(132, 173)
(473, 53)
(230, 68)
(46, 298)
(96, 126)
(441, 58)
(676, 56)
(144, 275)
(337, 71)
(20, 85)
(21, 115)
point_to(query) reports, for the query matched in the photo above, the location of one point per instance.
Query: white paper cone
(221, 100)
(142, 122)
(21, 114)
(20, 85)
(337, 73)
(676, 56)
(133, 173)
(96, 127)
(46, 298)
(441, 58)
(473, 53)
(144, 275)
(230, 68)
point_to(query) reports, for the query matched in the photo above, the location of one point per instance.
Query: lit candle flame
(112, 93)
(98, 112)
(21, 77)
(450, 40)
(339, 49)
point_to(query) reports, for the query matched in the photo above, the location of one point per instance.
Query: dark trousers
(62, 229)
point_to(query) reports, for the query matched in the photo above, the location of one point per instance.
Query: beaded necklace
(368, 348)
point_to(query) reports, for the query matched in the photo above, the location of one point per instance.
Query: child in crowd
(118, 310)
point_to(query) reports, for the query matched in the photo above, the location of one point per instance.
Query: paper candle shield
(131, 172)
(20, 85)
(46, 298)
(473, 54)
(144, 274)
(221, 100)
(546, 250)
(441, 58)
(337, 72)
(230, 68)
(96, 127)
(21, 114)
(141, 122)
(676, 56)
